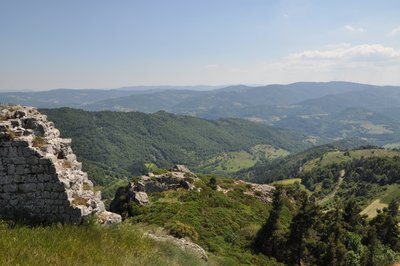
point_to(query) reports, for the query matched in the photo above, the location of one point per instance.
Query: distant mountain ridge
(322, 109)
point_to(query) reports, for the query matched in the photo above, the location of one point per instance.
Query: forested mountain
(330, 110)
(120, 143)
(81, 97)
(227, 100)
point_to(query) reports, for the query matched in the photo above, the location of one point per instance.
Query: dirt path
(331, 195)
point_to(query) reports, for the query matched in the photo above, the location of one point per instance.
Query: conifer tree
(266, 239)
(299, 230)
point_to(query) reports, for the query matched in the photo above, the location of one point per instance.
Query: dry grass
(371, 210)
(11, 135)
(79, 200)
(86, 186)
(67, 164)
(38, 142)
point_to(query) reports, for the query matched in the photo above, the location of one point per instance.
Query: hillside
(369, 176)
(222, 215)
(119, 144)
(87, 245)
(290, 166)
(215, 212)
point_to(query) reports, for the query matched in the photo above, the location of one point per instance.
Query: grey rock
(181, 168)
(33, 178)
(141, 198)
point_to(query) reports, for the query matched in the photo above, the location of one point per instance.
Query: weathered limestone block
(40, 178)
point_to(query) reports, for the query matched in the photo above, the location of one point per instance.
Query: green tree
(299, 230)
(268, 238)
(387, 228)
(212, 183)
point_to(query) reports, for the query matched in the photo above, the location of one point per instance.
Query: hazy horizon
(198, 87)
(100, 44)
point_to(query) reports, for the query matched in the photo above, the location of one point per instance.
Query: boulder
(141, 198)
(181, 168)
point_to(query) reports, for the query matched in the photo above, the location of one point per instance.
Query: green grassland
(392, 146)
(231, 162)
(224, 223)
(87, 245)
(390, 193)
(287, 182)
(369, 127)
(341, 157)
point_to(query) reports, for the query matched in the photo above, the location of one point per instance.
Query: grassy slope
(287, 182)
(340, 157)
(87, 245)
(289, 166)
(381, 201)
(231, 162)
(371, 209)
(223, 224)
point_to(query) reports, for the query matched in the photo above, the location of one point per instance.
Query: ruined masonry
(40, 178)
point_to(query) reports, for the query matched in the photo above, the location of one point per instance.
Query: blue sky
(48, 44)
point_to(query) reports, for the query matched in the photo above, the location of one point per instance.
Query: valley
(215, 211)
(199, 133)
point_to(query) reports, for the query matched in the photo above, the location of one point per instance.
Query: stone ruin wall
(40, 178)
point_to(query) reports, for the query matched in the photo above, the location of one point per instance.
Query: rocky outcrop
(183, 243)
(263, 192)
(136, 191)
(40, 178)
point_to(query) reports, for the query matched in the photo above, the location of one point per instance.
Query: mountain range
(330, 110)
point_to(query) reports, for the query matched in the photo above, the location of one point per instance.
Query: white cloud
(395, 31)
(366, 63)
(359, 52)
(354, 29)
(211, 66)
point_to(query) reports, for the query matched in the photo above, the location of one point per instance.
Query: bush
(181, 230)
(213, 183)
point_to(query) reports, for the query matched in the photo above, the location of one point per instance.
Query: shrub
(180, 230)
(160, 171)
(213, 183)
(86, 186)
